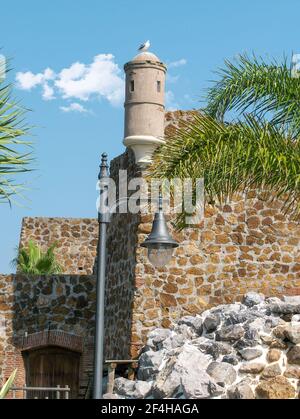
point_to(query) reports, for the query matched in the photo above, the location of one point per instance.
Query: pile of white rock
(245, 350)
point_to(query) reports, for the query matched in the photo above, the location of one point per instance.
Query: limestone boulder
(215, 349)
(276, 388)
(230, 333)
(291, 299)
(132, 389)
(231, 359)
(271, 371)
(237, 351)
(274, 355)
(292, 333)
(252, 368)
(174, 341)
(222, 373)
(252, 298)
(195, 322)
(156, 338)
(250, 353)
(242, 391)
(185, 331)
(185, 371)
(285, 308)
(292, 371)
(211, 322)
(149, 363)
(293, 355)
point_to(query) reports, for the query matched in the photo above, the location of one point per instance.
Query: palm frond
(232, 158)
(7, 386)
(33, 260)
(267, 89)
(14, 157)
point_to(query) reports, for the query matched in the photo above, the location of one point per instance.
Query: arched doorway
(50, 367)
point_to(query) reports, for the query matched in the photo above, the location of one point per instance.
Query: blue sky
(74, 123)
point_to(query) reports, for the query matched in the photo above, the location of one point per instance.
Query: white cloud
(29, 80)
(171, 104)
(101, 79)
(178, 63)
(80, 82)
(74, 107)
(48, 92)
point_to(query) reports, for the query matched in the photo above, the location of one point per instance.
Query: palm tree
(33, 261)
(258, 149)
(14, 159)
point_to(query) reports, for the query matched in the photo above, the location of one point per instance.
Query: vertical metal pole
(103, 218)
(99, 338)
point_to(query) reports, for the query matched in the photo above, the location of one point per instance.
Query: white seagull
(145, 46)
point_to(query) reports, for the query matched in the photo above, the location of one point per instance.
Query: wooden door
(52, 366)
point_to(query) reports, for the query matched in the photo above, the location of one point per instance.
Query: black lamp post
(160, 247)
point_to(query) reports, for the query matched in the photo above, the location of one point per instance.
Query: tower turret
(144, 105)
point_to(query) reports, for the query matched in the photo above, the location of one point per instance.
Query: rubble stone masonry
(76, 240)
(47, 311)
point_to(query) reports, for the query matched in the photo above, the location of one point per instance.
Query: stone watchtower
(144, 105)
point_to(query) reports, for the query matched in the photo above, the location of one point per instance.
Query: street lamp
(160, 247)
(159, 243)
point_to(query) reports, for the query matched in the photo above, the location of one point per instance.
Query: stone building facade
(246, 245)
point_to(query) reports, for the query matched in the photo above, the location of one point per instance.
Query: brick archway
(51, 338)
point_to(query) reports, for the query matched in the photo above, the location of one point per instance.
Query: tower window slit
(158, 86)
(132, 86)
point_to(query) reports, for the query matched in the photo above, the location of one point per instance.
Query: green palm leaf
(5, 389)
(267, 89)
(14, 159)
(232, 158)
(33, 261)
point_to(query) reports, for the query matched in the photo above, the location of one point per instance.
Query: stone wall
(248, 245)
(45, 311)
(121, 263)
(76, 240)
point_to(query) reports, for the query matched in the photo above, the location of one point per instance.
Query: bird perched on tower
(145, 46)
